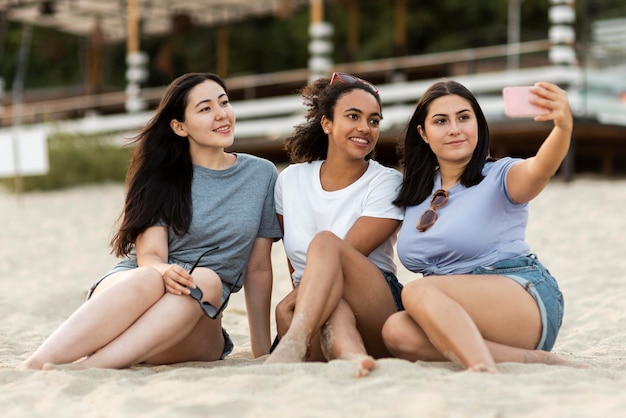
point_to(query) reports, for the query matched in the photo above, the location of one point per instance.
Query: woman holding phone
(485, 297)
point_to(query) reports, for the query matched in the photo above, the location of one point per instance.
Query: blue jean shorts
(131, 263)
(395, 286)
(529, 273)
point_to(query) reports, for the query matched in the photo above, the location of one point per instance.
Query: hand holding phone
(517, 102)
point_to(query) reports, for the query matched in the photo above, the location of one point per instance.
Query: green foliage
(76, 160)
(271, 44)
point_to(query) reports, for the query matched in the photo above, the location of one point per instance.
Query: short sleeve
(383, 191)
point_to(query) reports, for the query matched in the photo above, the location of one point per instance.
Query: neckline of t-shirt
(318, 180)
(219, 172)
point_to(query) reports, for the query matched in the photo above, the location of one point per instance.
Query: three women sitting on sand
(484, 298)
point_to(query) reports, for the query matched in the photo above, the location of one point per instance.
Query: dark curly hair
(309, 142)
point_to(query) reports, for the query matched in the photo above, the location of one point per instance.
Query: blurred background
(79, 77)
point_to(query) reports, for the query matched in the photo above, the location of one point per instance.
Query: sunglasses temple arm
(200, 258)
(230, 292)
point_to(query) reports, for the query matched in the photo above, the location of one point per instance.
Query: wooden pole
(399, 34)
(317, 11)
(132, 11)
(222, 51)
(353, 29)
(320, 43)
(135, 59)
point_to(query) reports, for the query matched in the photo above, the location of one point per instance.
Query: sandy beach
(53, 245)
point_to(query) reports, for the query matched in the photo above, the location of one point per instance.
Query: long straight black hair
(419, 163)
(160, 173)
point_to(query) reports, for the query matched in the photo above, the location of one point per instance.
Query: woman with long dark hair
(197, 223)
(485, 297)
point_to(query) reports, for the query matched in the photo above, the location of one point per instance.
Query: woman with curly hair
(339, 222)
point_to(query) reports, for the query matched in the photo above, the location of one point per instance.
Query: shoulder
(300, 169)
(383, 173)
(256, 166)
(500, 166)
(253, 160)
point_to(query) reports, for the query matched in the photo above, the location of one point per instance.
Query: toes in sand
(364, 364)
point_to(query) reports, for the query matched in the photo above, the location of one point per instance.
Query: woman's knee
(418, 294)
(210, 283)
(393, 336)
(325, 240)
(404, 339)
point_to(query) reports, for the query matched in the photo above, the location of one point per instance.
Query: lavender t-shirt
(478, 226)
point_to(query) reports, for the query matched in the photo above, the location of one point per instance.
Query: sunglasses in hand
(196, 293)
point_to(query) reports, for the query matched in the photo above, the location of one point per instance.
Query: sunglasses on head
(196, 293)
(346, 78)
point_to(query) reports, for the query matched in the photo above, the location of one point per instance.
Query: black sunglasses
(196, 293)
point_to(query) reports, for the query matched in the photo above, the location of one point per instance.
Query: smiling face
(209, 118)
(354, 130)
(451, 129)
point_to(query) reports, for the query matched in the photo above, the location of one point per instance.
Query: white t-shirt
(307, 209)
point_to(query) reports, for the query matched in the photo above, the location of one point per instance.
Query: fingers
(554, 99)
(177, 280)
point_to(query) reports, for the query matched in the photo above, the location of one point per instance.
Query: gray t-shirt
(231, 208)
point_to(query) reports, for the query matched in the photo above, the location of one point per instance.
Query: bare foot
(288, 351)
(482, 368)
(545, 357)
(364, 364)
(29, 365)
(69, 367)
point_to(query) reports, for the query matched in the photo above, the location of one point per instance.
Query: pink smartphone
(517, 102)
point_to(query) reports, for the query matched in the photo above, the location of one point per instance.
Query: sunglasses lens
(196, 293)
(438, 199)
(209, 310)
(428, 218)
(347, 78)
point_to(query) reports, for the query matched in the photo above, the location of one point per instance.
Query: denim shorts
(395, 286)
(131, 263)
(529, 273)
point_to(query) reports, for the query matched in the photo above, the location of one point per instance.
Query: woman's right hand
(177, 280)
(152, 250)
(284, 312)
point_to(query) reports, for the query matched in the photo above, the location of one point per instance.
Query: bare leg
(123, 296)
(174, 329)
(459, 317)
(335, 270)
(450, 329)
(316, 299)
(284, 316)
(340, 339)
(406, 340)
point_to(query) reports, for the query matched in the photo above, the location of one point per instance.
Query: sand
(53, 245)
